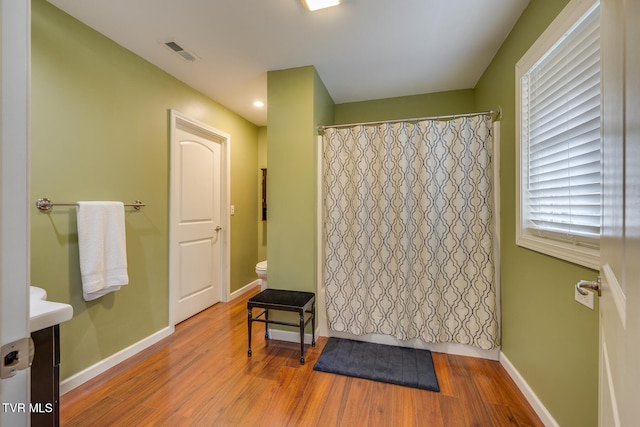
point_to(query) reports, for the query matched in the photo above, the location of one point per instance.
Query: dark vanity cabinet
(45, 376)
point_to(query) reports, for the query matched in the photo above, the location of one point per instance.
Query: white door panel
(199, 163)
(619, 379)
(196, 267)
(197, 214)
(14, 203)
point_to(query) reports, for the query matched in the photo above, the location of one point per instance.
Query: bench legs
(302, 325)
(302, 337)
(313, 325)
(313, 331)
(250, 320)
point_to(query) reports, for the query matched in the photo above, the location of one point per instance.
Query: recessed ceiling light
(319, 4)
(258, 104)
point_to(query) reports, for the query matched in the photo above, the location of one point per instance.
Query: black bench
(278, 299)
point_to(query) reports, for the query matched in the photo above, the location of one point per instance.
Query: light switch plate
(586, 300)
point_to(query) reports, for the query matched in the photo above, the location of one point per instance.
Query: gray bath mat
(385, 363)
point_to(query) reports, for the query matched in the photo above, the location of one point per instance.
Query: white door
(14, 210)
(197, 214)
(619, 378)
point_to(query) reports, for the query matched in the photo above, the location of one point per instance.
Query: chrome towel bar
(44, 205)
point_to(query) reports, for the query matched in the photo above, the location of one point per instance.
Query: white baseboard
(531, 397)
(111, 361)
(289, 336)
(246, 288)
(93, 371)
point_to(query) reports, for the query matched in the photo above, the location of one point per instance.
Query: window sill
(586, 257)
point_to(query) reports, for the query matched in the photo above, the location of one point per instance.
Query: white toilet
(261, 270)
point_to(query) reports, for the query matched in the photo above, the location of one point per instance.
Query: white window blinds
(560, 137)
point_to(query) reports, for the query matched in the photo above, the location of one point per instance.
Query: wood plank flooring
(201, 376)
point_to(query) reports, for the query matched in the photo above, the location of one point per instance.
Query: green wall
(99, 117)
(298, 103)
(550, 339)
(407, 107)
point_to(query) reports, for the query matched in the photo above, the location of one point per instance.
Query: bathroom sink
(43, 313)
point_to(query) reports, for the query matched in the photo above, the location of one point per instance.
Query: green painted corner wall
(298, 102)
(550, 339)
(99, 131)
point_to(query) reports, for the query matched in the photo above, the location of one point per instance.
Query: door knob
(218, 228)
(590, 284)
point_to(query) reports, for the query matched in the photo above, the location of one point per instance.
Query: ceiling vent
(180, 51)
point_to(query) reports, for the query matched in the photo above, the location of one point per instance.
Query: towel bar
(44, 205)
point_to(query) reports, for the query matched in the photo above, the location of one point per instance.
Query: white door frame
(15, 49)
(224, 139)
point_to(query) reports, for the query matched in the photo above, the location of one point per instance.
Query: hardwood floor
(201, 376)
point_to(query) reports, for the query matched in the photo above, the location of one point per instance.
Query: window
(558, 119)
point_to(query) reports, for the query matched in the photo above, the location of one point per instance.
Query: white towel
(102, 245)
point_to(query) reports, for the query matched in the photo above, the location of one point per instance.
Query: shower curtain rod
(453, 116)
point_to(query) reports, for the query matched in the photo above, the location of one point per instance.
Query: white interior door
(14, 210)
(619, 379)
(197, 214)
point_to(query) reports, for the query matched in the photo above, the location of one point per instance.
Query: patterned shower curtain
(408, 230)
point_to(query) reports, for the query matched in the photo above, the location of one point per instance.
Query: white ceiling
(362, 49)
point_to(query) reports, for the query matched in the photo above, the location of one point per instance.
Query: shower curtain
(408, 230)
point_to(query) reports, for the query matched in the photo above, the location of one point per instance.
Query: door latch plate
(16, 356)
